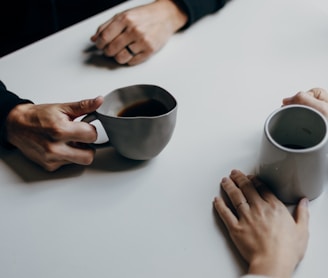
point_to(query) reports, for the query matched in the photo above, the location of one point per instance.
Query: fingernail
(224, 180)
(305, 202)
(234, 172)
(96, 99)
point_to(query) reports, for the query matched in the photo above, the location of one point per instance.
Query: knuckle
(120, 58)
(51, 166)
(299, 97)
(126, 18)
(50, 151)
(139, 59)
(148, 45)
(91, 134)
(56, 132)
(88, 159)
(102, 37)
(83, 104)
(236, 230)
(136, 30)
(111, 49)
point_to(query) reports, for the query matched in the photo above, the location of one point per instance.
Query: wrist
(277, 267)
(177, 16)
(14, 122)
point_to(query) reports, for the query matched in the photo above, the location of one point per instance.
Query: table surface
(120, 218)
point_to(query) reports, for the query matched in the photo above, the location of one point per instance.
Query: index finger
(101, 28)
(109, 32)
(246, 186)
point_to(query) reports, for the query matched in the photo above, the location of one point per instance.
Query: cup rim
(171, 110)
(319, 145)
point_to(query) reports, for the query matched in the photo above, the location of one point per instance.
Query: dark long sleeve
(196, 9)
(8, 101)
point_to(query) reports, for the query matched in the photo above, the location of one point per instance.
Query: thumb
(82, 107)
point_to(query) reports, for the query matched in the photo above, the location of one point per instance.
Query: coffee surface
(144, 108)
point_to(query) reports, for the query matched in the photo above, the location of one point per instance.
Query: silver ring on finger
(240, 204)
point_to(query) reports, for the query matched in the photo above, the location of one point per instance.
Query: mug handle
(90, 118)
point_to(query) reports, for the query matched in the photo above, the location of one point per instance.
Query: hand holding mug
(48, 135)
(316, 98)
(267, 236)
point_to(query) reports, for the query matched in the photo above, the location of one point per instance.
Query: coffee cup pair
(139, 120)
(293, 153)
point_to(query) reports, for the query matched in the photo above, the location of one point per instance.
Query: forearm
(177, 16)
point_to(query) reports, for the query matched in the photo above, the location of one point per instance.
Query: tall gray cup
(139, 120)
(293, 154)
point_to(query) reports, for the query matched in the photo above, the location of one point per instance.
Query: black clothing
(25, 21)
(8, 101)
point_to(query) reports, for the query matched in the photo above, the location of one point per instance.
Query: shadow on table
(31, 172)
(106, 160)
(96, 58)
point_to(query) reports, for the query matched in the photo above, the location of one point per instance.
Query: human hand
(261, 227)
(316, 98)
(47, 134)
(134, 35)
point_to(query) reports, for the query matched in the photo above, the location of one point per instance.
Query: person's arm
(47, 133)
(267, 236)
(8, 101)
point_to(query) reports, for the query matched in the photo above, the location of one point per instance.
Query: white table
(118, 218)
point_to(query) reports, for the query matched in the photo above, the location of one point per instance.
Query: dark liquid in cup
(144, 108)
(294, 146)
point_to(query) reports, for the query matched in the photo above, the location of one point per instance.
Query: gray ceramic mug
(293, 154)
(139, 120)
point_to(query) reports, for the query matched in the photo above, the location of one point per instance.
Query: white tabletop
(119, 218)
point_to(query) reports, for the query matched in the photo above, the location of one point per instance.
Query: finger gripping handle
(90, 118)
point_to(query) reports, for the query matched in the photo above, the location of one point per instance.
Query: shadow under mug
(139, 120)
(293, 154)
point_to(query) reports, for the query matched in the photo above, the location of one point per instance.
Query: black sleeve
(196, 9)
(8, 101)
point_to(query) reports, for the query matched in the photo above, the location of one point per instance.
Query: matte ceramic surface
(294, 152)
(139, 138)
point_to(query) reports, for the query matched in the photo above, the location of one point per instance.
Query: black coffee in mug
(144, 108)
